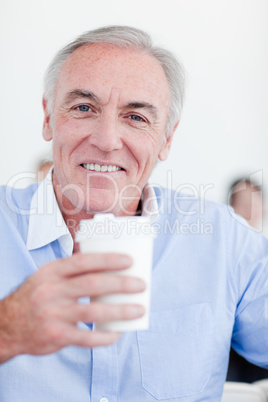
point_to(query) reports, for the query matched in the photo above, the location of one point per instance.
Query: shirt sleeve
(250, 264)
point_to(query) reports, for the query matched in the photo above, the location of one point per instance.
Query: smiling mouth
(95, 167)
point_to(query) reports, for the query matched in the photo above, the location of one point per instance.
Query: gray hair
(124, 37)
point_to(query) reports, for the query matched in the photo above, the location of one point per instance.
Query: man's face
(109, 119)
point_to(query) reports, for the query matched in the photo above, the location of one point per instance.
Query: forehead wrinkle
(99, 58)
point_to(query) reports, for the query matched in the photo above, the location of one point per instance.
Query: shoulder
(15, 203)
(189, 207)
(202, 219)
(20, 197)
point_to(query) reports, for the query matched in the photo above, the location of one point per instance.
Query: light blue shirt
(210, 285)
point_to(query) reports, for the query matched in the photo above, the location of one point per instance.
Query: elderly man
(112, 103)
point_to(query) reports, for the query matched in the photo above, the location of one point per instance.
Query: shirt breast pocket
(176, 352)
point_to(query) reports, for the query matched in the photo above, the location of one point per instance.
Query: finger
(98, 312)
(79, 264)
(89, 338)
(93, 285)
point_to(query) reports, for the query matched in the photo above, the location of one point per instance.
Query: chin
(101, 205)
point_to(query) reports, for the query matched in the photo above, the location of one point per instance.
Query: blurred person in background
(247, 200)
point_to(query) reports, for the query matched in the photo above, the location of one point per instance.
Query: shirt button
(103, 400)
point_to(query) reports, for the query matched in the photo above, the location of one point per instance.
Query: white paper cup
(133, 236)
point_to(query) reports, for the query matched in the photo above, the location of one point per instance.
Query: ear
(164, 151)
(47, 131)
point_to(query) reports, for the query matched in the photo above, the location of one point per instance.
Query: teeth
(101, 168)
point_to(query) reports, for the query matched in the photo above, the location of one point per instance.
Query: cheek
(145, 145)
(145, 155)
(65, 129)
(142, 152)
(66, 136)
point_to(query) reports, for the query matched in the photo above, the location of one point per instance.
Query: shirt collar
(46, 223)
(149, 206)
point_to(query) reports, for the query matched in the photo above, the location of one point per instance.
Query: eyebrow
(143, 105)
(78, 93)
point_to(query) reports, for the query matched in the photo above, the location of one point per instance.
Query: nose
(106, 134)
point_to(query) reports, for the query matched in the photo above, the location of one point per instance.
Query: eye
(136, 117)
(83, 108)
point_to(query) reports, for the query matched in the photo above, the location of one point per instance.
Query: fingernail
(136, 310)
(125, 260)
(138, 285)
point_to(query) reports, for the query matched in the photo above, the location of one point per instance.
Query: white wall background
(223, 45)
